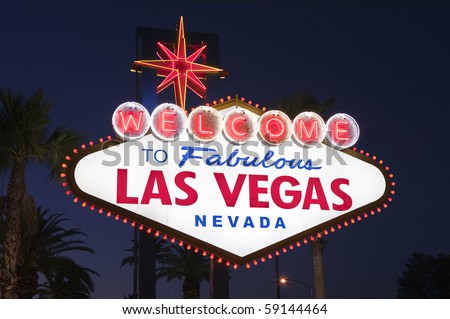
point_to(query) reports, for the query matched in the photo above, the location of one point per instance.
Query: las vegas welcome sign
(230, 180)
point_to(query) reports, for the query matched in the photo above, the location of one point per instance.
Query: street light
(223, 74)
(285, 281)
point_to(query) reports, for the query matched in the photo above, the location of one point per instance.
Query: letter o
(164, 156)
(275, 127)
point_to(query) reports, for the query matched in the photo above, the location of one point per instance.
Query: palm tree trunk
(191, 289)
(11, 245)
(319, 275)
(27, 285)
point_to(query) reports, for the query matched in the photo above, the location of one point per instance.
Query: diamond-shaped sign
(239, 202)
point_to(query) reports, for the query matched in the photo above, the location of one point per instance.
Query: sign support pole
(145, 268)
(219, 281)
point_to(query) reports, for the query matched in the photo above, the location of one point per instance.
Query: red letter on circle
(309, 133)
(167, 123)
(235, 123)
(200, 129)
(340, 131)
(275, 127)
(137, 124)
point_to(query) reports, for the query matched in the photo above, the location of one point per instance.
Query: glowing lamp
(342, 131)
(275, 127)
(131, 121)
(239, 125)
(308, 129)
(168, 121)
(205, 123)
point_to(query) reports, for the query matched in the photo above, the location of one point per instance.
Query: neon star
(178, 69)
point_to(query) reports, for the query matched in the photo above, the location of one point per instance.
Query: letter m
(312, 133)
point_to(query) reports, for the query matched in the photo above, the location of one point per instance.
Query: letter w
(130, 118)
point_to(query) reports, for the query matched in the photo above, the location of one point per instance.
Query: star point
(179, 69)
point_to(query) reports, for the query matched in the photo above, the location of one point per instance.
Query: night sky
(385, 63)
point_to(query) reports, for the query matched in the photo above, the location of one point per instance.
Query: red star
(178, 69)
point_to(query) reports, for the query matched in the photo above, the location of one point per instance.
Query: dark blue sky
(386, 64)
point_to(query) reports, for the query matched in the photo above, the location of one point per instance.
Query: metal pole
(135, 230)
(135, 264)
(303, 284)
(211, 279)
(277, 274)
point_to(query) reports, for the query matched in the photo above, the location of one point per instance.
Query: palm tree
(42, 252)
(74, 282)
(319, 275)
(23, 136)
(302, 101)
(292, 105)
(182, 263)
(425, 277)
(161, 249)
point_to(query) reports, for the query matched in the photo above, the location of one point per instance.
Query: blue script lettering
(234, 160)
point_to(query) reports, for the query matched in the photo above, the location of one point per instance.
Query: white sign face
(236, 201)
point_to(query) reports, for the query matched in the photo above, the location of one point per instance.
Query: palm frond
(162, 249)
(183, 263)
(66, 279)
(302, 101)
(60, 143)
(29, 214)
(36, 118)
(11, 111)
(44, 251)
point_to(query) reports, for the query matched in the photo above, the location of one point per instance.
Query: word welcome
(168, 121)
